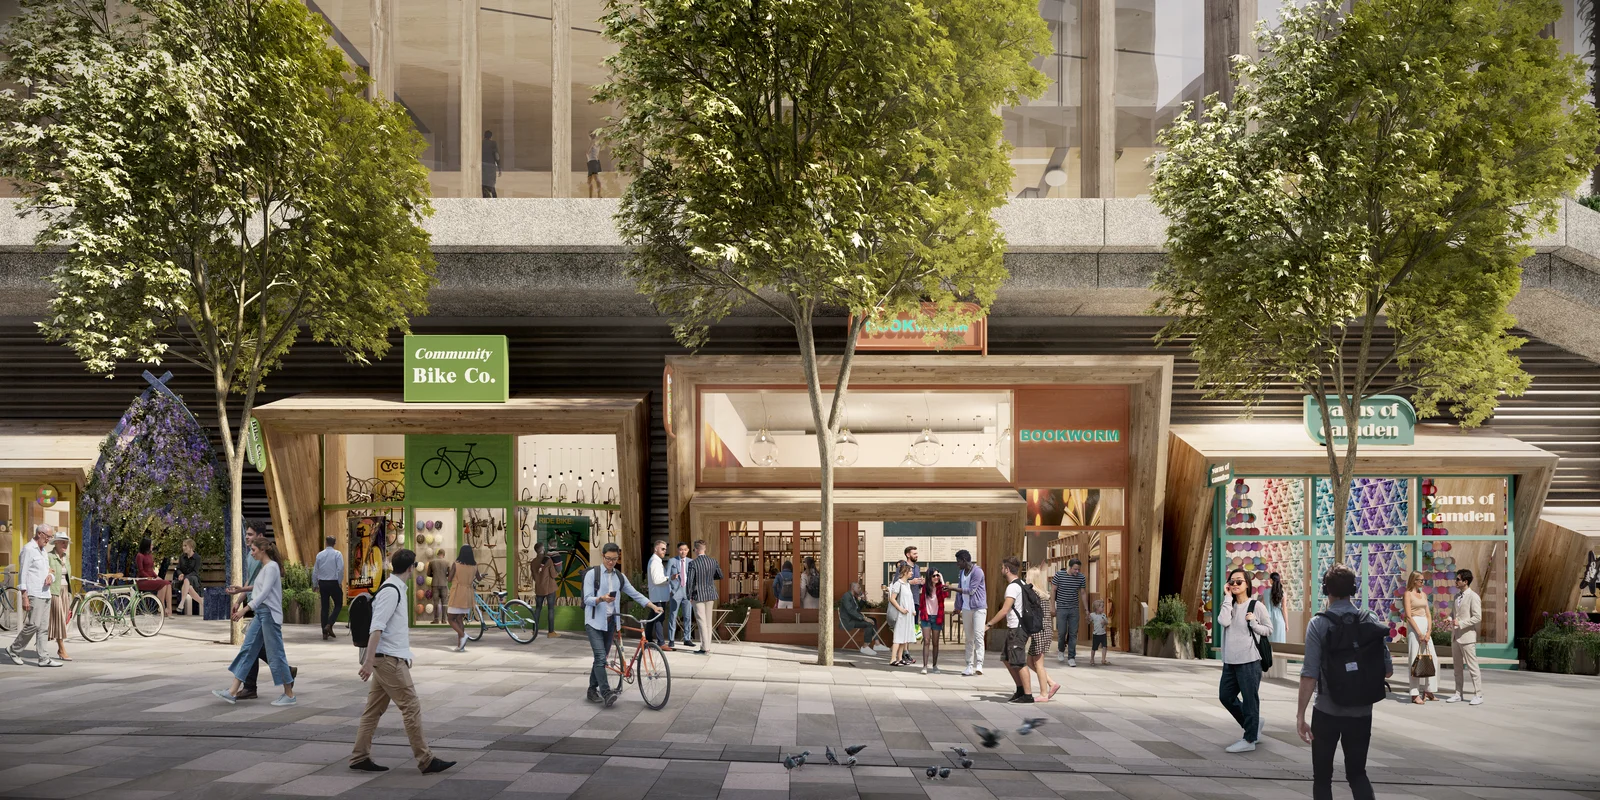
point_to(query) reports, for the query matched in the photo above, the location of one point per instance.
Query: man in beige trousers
(387, 662)
(1464, 639)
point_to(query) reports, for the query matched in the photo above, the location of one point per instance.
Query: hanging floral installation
(156, 477)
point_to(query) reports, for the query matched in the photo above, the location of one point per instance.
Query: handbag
(1423, 667)
(1263, 643)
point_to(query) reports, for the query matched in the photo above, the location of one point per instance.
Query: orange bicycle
(647, 665)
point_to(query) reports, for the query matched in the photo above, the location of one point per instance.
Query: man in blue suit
(678, 602)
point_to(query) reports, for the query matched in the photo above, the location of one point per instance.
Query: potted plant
(299, 602)
(1568, 643)
(1170, 634)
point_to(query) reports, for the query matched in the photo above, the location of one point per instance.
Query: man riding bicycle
(601, 610)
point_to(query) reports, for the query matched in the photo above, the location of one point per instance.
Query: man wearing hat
(35, 580)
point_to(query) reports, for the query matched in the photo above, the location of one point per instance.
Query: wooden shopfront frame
(697, 511)
(1195, 512)
(58, 453)
(299, 430)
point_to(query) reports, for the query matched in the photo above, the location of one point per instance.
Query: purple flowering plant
(158, 478)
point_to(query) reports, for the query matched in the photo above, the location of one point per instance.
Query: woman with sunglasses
(1243, 620)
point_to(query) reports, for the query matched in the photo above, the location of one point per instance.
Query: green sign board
(457, 369)
(458, 471)
(566, 539)
(1221, 473)
(1385, 420)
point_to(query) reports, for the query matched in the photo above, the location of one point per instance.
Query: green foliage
(1590, 201)
(296, 577)
(1440, 638)
(839, 155)
(1172, 618)
(304, 599)
(1555, 646)
(218, 183)
(740, 609)
(1381, 168)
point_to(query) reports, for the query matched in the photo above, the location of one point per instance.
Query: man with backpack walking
(1026, 640)
(382, 628)
(1347, 662)
(603, 587)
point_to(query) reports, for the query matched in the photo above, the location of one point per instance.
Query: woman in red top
(145, 568)
(930, 615)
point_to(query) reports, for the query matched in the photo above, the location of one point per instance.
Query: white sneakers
(1241, 746)
(1477, 699)
(880, 648)
(966, 673)
(1061, 658)
(1072, 662)
(284, 700)
(868, 651)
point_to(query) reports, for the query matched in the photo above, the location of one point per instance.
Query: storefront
(1248, 495)
(1041, 457)
(44, 467)
(433, 470)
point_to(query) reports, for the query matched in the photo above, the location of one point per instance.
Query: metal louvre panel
(1560, 413)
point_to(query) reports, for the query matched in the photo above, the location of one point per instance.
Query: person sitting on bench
(850, 618)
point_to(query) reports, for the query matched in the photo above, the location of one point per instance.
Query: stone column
(1229, 25)
(561, 98)
(1099, 103)
(381, 60)
(471, 103)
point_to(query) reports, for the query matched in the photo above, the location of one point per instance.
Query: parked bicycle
(10, 601)
(438, 471)
(513, 616)
(647, 665)
(111, 609)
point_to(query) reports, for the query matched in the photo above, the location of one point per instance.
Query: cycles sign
(456, 369)
(458, 471)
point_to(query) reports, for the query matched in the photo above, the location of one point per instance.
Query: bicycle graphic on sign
(437, 471)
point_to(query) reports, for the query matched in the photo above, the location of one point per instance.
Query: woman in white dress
(1280, 628)
(1419, 640)
(905, 621)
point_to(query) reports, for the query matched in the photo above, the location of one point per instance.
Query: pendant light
(846, 450)
(977, 452)
(925, 448)
(764, 450)
(908, 461)
(1002, 449)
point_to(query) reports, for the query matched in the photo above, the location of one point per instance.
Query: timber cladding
(1102, 422)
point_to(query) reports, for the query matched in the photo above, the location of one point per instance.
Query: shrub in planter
(1170, 634)
(1568, 643)
(740, 609)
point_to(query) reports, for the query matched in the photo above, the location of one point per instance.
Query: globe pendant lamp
(925, 450)
(1002, 449)
(764, 450)
(908, 461)
(977, 461)
(846, 450)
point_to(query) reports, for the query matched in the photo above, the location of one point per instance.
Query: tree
(219, 185)
(818, 156)
(1381, 168)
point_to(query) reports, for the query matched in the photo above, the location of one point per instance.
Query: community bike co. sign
(457, 369)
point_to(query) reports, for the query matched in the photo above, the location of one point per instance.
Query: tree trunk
(235, 534)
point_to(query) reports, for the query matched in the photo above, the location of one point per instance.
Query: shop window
(1266, 507)
(1047, 552)
(1382, 569)
(1462, 506)
(894, 438)
(1441, 563)
(1073, 508)
(1046, 132)
(514, 63)
(1262, 558)
(427, 78)
(351, 21)
(1160, 66)
(594, 172)
(1377, 507)
(756, 552)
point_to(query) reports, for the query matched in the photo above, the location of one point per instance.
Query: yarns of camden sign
(1386, 420)
(457, 369)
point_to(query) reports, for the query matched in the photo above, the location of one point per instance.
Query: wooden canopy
(51, 450)
(1285, 449)
(1548, 575)
(292, 427)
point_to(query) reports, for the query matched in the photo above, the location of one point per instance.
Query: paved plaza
(133, 719)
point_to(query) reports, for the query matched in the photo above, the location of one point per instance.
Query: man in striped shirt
(704, 572)
(1069, 584)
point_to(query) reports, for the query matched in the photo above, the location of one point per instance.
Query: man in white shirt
(34, 585)
(660, 590)
(388, 664)
(327, 573)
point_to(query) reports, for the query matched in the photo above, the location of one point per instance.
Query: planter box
(1583, 663)
(1172, 645)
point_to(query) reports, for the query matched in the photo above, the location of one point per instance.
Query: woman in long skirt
(1419, 640)
(60, 594)
(905, 623)
(266, 630)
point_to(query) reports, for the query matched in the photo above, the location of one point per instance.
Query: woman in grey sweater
(1243, 619)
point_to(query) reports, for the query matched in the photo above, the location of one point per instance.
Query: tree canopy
(1381, 168)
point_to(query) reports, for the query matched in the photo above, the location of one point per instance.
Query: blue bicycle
(513, 616)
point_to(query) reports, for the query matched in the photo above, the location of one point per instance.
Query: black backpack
(1263, 643)
(784, 589)
(361, 615)
(1353, 667)
(1032, 612)
(814, 584)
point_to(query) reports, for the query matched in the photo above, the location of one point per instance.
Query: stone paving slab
(132, 718)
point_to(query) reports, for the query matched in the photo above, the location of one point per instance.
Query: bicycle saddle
(500, 594)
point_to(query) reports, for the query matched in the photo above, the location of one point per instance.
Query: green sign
(1385, 420)
(255, 446)
(458, 471)
(457, 369)
(1221, 473)
(566, 539)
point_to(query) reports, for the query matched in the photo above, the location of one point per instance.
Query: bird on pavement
(853, 749)
(1028, 725)
(989, 738)
(960, 751)
(944, 773)
(966, 763)
(850, 761)
(792, 761)
(933, 772)
(832, 759)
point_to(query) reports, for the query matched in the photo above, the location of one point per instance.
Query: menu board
(894, 547)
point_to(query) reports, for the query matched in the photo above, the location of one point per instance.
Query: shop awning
(318, 413)
(862, 505)
(51, 450)
(1283, 449)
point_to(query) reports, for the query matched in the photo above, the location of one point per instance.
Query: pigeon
(832, 759)
(960, 751)
(944, 773)
(990, 738)
(853, 749)
(933, 772)
(792, 761)
(1028, 725)
(966, 763)
(850, 761)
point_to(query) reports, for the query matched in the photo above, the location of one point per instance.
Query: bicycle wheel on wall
(475, 624)
(94, 618)
(655, 679)
(147, 615)
(519, 621)
(9, 603)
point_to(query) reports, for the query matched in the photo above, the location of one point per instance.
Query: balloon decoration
(48, 495)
